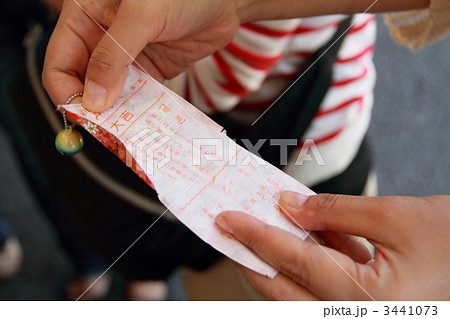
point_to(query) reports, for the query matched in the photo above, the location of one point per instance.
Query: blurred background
(409, 132)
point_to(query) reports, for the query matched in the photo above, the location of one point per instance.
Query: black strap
(291, 116)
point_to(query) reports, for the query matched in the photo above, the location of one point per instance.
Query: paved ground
(410, 134)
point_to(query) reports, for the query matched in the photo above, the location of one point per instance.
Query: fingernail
(94, 95)
(293, 199)
(222, 223)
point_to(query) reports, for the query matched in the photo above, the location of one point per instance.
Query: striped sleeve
(265, 57)
(219, 82)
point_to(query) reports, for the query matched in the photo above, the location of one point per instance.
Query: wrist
(243, 9)
(254, 10)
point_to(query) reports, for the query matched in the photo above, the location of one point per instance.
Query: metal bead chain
(68, 102)
(73, 96)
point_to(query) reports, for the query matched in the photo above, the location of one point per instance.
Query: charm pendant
(69, 141)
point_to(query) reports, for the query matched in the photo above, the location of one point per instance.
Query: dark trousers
(17, 15)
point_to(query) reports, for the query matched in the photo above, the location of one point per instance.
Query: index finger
(67, 55)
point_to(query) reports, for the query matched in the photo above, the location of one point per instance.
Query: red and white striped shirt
(247, 75)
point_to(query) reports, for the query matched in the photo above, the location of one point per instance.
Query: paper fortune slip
(194, 167)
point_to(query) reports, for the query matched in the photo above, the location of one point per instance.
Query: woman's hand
(410, 236)
(163, 36)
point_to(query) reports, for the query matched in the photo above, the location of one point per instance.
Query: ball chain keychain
(69, 141)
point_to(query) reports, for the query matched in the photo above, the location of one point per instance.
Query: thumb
(354, 215)
(108, 65)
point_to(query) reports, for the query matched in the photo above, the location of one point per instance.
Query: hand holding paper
(410, 237)
(164, 37)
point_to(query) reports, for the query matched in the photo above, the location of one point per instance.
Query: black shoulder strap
(291, 116)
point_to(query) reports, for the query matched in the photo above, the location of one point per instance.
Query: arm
(251, 10)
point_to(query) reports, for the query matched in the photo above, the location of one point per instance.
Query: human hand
(410, 236)
(162, 36)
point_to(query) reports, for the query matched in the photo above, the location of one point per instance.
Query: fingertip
(95, 96)
(293, 204)
(223, 224)
(225, 214)
(297, 208)
(232, 221)
(106, 75)
(94, 109)
(293, 200)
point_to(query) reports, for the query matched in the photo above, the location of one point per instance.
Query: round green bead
(69, 141)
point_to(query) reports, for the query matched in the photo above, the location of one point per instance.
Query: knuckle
(322, 202)
(136, 11)
(257, 240)
(102, 60)
(393, 205)
(291, 266)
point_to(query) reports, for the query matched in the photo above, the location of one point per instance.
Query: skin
(410, 236)
(163, 36)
